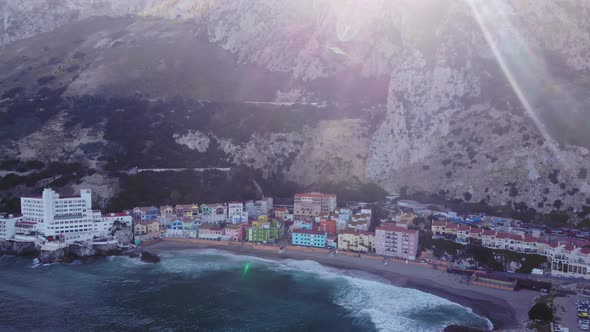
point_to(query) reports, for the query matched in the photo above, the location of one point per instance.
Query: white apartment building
(213, 213)
(260, 207)
(8, 226)
(66, 219)
(567, 260)
(236, 213)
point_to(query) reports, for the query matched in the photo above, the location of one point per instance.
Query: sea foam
(389, 307)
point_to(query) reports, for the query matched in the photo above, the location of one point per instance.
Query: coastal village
(315, 223)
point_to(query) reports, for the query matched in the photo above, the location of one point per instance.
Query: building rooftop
(235, 226)
(148, 222)
(439, 223)
(5, 215)
(352, 231)
(26, 222)
(393, 228)
(145, 208)
(308, 231)
(185, 206)
(114, 214)
(315, 195)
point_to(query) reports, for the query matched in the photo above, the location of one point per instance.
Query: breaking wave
(390, 308)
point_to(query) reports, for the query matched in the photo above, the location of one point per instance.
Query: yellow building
(281, 212)
(406, 218)
(263, 218)
(146, 227)
(139, 228)
(153, 226)
(349, 240)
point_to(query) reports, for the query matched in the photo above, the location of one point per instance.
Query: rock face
(69, 253)
(123, 233)
(476, 100)
(55, 256)
(19, 248)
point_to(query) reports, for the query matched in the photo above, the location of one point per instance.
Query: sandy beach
(507, 310)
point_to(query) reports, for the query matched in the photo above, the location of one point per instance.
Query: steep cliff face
(474, 99)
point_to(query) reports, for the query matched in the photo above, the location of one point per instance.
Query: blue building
(186, 227)
(309, 238)
(146, 213)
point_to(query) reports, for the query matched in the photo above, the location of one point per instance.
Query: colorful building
(396, 241)
(236, 232)
(265, 231)
(185, 227)
(145, 230)
(309, 238)
(281, 212)
(166, 211)
(146, 212)
(350, 240)
(214, 213)
(328, 226)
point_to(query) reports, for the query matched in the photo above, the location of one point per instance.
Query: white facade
(264, 206)
(260, 207)
(569, 261)
(213, 213)
(66, 219)
(7, 226)
(236, 213)
(70, 218)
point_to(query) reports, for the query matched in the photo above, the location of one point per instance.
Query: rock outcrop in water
(149, 257)
(70, 253)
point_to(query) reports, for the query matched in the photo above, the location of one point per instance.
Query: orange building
(328, 226)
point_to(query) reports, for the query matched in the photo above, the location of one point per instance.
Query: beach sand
(507, 310)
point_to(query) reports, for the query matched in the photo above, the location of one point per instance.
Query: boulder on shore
(149, 257)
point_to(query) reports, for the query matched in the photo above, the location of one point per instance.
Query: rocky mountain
(473, 100)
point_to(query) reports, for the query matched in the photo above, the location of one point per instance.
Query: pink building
(236, 232)
(396, 241)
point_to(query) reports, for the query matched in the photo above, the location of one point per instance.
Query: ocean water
(211, 290)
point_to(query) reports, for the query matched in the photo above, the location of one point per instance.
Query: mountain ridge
(439, 97)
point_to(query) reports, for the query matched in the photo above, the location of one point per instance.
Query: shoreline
(504, 309)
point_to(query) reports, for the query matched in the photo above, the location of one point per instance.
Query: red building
(328, 226)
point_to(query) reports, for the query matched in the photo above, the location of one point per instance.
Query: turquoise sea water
(210, 290)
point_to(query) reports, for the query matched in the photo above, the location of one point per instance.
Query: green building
(265, 231)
